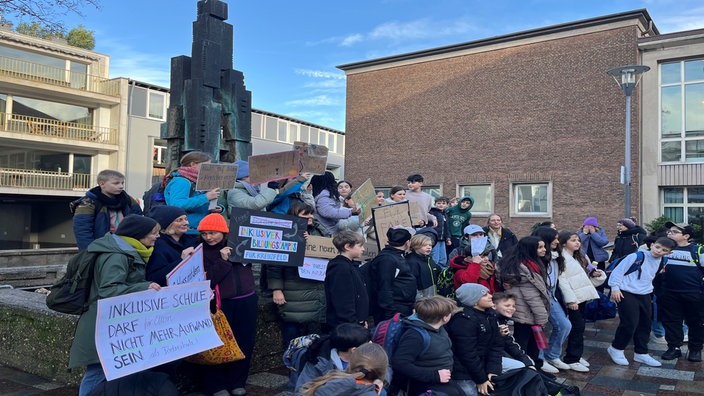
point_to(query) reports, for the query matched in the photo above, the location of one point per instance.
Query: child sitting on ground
(505, 306)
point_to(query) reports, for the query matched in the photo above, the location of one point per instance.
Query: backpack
(599, 309)
(635, 266)
(446, 283)
(70, 294)
(296, 355)
(155, 195)
(556, 388)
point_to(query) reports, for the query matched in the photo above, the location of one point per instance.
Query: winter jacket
(393, 284)
(345, 292)
(178, 193)
(458, 218)
(511, 347)
(91, 219)
(292, 190)
(627, 242)
(318, 363)
(239, 197)
(468, 272)
(328, 211)
(114, 276)
(532, 299)
(464, 242)
(596, 241)
(234, 280)
(507, 240)
(425, 271)
(443, 227)
(167, 255)
(682, 274)
(574, 282)
(477, 345)
(347, 387)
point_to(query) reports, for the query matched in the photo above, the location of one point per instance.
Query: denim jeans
(439, 254)
(93, 377)
(658, 329)
(561, 328)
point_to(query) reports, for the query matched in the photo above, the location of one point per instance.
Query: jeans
(658, 329)
(561, 327)
(510, 364)
(439, 254)
(93, 377)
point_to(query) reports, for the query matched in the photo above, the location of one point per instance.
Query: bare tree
(47, 13)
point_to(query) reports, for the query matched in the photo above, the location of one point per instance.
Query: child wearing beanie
(235, 284)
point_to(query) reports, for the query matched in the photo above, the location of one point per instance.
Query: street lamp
(627, 78)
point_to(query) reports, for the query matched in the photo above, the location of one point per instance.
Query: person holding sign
(173, 245)
(235, 283)
(119, 269)
(328, 207)
(180, 190)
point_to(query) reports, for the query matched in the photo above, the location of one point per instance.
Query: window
(157, 104)
(270, 128)
(483, 198)
(147, 103)
(159, 157)
(533, 199)
(682, 111)
(257, 125)
(283, 131)
(683, 204)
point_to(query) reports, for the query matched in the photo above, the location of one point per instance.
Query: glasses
(674, 231)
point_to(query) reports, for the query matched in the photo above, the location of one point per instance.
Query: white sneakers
(579, 367)
(645, 359)
(559, 364)
(548, 368)
(583, 362)
(617, 356)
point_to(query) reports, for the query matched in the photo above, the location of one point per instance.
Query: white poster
(313, 268)
(189, 270)
(140, 330)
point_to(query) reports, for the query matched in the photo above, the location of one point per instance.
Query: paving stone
(666, 373)
(267, 380)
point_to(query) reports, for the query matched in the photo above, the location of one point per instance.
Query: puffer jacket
(627, 242)
(329, 211)
(91, 220)
(426, 272)
(239, 197)
(114, 276)
(178, 193)
(394, 286)
(574, 282)
(477, 345)
(596, 241)
(532, 299)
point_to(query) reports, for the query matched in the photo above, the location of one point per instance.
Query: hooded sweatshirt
(458, 218)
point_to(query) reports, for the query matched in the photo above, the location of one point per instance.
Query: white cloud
(320, 100)
(326, 84)
(351, 40)
(693, 19)
(412, 30)
(320, 74)
(125, 61)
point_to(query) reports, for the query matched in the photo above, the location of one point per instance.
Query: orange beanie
(213, 222)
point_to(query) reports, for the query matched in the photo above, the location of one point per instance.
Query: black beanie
(165, 215)
(397, 237)
(135, 226)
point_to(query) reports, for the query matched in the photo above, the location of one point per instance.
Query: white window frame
(515, 204)
(149, 104)
(463, 193)
(685, 205)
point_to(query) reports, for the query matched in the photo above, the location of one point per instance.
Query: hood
(113, 244)
(471, 203)
(458, 263)
(414, 320)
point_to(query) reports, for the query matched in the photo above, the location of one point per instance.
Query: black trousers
(635, 318)
(673, 307)
(523, 334)
(575, 341)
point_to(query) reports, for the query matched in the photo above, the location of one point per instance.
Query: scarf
(251, 189)
(189, 172)
(142, 250)
(118, 202)
(531, 265)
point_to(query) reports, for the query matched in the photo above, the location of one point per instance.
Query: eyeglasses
(674, 231)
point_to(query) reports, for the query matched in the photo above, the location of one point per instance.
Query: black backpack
(155, 195)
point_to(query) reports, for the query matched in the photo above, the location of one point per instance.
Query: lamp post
(627, 78)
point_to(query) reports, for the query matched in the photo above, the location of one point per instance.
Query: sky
(289, 50)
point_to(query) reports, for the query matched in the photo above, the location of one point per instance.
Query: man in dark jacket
(394, 286)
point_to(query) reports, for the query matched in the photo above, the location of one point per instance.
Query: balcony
(53, 128)
(44, 180)
(17, 68)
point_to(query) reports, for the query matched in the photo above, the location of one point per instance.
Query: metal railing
(44, 180)
(58, 129)
(59, 77)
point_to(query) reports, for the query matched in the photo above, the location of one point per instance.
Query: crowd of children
(506, 289)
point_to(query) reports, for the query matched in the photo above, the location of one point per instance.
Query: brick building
(529, 123)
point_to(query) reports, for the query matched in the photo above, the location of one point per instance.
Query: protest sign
(266, 237)
(145, 329)
(189, 270)
(317, 246)
(212, 176)
(365, 199)
(416, 212)
(313, 268)
(313, 158)
(268, 167)
(370, 250)
(388, 216)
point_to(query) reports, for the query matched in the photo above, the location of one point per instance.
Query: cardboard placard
(313, 158)
(321, 247)
(268, 167)
(189, 270)
(416, 212)
(212, 176)
(365, 199)
(266, 237)
(388, 216)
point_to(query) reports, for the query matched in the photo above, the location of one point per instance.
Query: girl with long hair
(329, 208)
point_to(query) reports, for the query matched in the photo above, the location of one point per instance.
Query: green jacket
(457, 218)
(113, 277)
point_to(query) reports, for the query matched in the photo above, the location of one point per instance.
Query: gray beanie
(469, 293)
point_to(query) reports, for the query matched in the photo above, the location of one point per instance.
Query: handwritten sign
(388, 216)
(370, 250)
(189, 270)
(313, 158)
(321, 247)
(365, 198)
(212, 176)
(267, 167)
(266, 237)
(145, 329)
(416, 212)
(313, 268)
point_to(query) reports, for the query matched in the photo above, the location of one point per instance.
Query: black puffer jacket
(394, 286)
(627, 242)
(477, 345)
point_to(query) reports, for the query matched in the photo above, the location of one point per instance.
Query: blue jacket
(597, 242)
(91, 219)
(167, 255)
(178, 193)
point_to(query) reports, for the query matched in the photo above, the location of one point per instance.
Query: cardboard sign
(416, 212)
(268, 167)
(313, 268)
(321, 247)
(365, 198)
(212, 176)
(145, 329)
(313, 158)
(266, 237)
(388, 216)
(189, 270)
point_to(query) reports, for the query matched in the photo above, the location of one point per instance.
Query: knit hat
(135, 226)
(628, 223)
(469, 293)
(398, 236)
(473, 228)
(242, 169)
(213, 222)
(590, 221)
(165, 215)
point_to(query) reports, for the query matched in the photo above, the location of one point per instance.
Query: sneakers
(559, 364)
(672, 353)
(685, 339)
(239, 392)
(694, 356)
(646, 359)
(583, 362)
(578, 367)
(658, 340)
(221, 393)
(548, 368)
(617, 356)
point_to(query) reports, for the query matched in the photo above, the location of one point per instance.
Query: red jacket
(466, 272)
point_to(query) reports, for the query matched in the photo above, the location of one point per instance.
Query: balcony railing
(58, 129)
(56, 76)
(44, 180)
